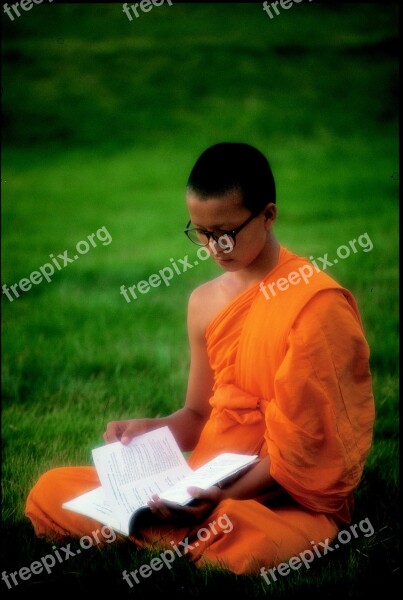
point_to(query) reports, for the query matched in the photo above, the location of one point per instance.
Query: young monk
(280, 371)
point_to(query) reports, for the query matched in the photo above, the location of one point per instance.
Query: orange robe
(292, 380)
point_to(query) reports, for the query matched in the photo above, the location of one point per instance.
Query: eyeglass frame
(232, 233)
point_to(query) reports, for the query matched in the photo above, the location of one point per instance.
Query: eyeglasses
(202, 237)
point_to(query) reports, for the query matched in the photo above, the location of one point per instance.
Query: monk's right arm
(186, 423)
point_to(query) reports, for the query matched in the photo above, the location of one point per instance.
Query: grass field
(103, 119)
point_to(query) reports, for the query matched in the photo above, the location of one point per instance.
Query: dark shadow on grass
(357, 570)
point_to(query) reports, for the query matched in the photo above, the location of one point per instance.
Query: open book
(151, 464)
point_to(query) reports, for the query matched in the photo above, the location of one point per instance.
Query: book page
(214, 471)
(131, 474)
(95, 505)
(136, 494)
(151, 464)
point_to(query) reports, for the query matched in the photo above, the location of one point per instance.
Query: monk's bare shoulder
(206, 301)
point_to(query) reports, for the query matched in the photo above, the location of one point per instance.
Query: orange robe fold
(292, 380)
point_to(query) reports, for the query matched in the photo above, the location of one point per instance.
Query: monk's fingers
(184, 514)
(161, 512)
(112, 432)
(212, 494)
(108, 439)
(159, 507)
(198, 512)
(167, 510)
(169, 504)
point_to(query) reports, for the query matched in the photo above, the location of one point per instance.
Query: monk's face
(226, 213)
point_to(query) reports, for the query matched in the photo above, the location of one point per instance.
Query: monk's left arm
(256, 483)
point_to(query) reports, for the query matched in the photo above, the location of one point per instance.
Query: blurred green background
(103, 119)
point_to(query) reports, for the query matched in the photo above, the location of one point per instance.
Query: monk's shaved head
(232, 166)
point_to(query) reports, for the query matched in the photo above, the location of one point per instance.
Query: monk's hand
(125, 431)
(204, 502)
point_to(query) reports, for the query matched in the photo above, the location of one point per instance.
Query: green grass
(102, 130)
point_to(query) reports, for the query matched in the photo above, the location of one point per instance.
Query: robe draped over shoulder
(292, 379)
